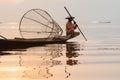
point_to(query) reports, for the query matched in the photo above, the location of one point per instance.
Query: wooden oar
(76, 24)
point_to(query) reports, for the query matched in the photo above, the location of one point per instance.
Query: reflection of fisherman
(71, 53)
(70, 27)
(72, 62)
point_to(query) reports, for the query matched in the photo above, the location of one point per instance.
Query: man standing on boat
(70, 27)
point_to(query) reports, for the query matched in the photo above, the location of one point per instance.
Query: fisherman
(70, 27)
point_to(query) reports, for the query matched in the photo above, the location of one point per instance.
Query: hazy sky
(83, 10)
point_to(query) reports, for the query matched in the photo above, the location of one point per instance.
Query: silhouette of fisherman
(70, 27)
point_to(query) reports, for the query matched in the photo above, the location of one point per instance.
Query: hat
(70, 17)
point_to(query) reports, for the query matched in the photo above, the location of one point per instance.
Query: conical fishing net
(37, 23)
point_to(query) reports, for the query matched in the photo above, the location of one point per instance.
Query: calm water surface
(96, 59)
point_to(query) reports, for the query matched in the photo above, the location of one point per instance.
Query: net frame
(56, 30)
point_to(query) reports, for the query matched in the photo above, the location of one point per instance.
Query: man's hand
(74, 22)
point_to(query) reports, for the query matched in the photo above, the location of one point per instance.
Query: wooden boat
(9, 44)
(36, 41)
(20, 41)
(36, 27)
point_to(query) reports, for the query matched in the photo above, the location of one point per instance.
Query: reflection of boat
(30, 64)
(36, 27)
(43, 62)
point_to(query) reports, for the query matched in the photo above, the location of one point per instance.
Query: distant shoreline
(104, 22)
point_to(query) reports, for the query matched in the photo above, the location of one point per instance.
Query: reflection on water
(36, 62)
(71, 53)
(69, 61)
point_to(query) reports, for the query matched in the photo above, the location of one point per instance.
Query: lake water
(95, 59)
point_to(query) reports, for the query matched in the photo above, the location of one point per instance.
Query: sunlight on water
(96, 59)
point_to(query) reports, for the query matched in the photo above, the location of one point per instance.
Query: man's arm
(75, 25)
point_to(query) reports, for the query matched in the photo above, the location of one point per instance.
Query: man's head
(70, 18)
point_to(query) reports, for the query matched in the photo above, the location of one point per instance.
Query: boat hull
(8, 44)
(24, 43)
